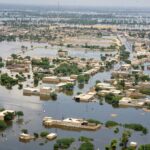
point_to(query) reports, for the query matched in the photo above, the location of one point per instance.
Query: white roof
(47, 118)
(46, 88)
(51, 77)
(52, 135)
(24, 135)
(116, 91)
(31, 89)
(104, 84)
(60, 84)
(133, 143)
(72, 120)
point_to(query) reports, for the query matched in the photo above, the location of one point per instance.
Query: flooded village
(74, 83)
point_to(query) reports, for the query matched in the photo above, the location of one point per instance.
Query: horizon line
(72, 6)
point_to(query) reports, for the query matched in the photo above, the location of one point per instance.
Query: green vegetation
(91, 46)
(124, 55)
(111, 47)
(2, 109)
(63, 143)
(109, 64)
(141, 56)
(53, 96)
(44, 134)
(8, 81)
(121, 84)
(44, 63)
(14, 56)
(112, 146)
(9, 116)
(93, 121)
(125, 139)
(36, 135)
(37, 78)
(8, 38)
(20, 86)
(1, 64)
(136, 127)
(86, 146)
(19, 114)
(3, 125)
(83, 79)
(68, 87)
(145, 91)
(21, 77)
(116, 130)
(66, 69)
(133, 126)
(86, 143)
(144, 147)
(103, 58)
(144, 78)
(110, 124)
(112, 99)
(85, 139)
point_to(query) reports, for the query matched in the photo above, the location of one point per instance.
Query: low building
(51, 79)
(105, 86)
(74, 76)
(92, 71)
(55, 79)
(31, 91)
(70, 123)
(66, 79)
(133, 144)
(85, 97)
(113, 91)
(25, 137)
(51, 136)
(46, 91)
(128, 102)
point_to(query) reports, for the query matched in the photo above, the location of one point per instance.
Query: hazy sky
(123, 3)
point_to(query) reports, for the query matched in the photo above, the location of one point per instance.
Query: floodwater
(35, 109)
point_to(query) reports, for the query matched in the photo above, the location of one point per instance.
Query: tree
(19, 114)
(3, 125)
(9, 116)
(125, 138)
(114, 144)
(14, 56)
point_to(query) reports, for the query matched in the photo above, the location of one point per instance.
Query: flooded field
(35, 109)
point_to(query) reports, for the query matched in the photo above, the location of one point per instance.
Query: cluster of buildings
(18, 65)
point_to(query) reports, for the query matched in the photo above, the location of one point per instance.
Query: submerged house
(55, 79)
(25, 137)
(72, 123)
(31, 91)
(51, 79)
(85, 97)
(51, 136)
(105, 86)
(127, 101)
(46, 91)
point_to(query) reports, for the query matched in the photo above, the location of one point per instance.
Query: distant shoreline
(27, 7)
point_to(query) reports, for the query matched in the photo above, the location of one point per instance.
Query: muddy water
(35, 109)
